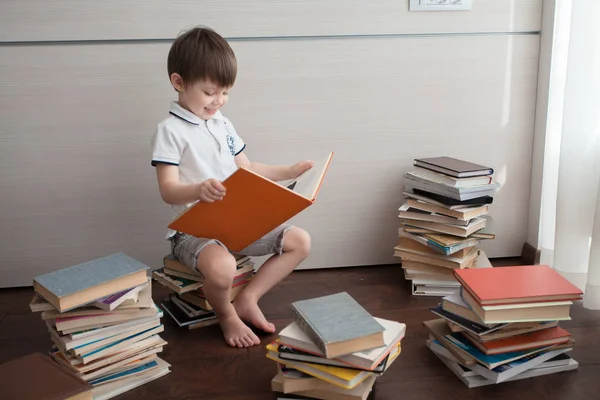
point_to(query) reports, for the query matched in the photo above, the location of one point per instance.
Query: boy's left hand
(301, 167)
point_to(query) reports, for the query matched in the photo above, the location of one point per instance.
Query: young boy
(196, 148)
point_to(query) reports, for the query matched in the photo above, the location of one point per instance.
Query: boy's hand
(210, 190)
(300, 168)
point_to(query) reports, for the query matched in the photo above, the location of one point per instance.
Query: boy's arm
(274, 172)
(173, 192)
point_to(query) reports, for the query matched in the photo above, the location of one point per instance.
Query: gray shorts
(186, 247)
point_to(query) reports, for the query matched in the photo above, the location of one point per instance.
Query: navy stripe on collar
(180, 117)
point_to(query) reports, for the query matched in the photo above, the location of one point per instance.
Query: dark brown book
(37, 377)
(453, 167)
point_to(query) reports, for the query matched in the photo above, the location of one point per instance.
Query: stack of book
(103, 323)
(188, 305)
(503, 325)
(443, 220)
(333, 349)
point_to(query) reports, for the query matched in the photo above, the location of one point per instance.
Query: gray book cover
(89, 274)
(334, 318)
(414, 182)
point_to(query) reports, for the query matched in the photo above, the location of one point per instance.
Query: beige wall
(77, 117)
(44, 20)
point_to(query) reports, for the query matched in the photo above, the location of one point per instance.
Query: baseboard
(530, 255)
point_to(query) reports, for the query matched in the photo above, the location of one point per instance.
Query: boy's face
(203, 98)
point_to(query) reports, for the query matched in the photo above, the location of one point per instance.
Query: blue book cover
(89, 274)
(334, 318)
(491, 361)
(444, 249)
(507, 366)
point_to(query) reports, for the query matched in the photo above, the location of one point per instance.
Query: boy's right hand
(210, 190)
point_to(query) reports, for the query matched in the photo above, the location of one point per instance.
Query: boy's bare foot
(249, 311)
(236, 333)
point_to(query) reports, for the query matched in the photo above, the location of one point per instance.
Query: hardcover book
(84, 283)
(338, 324)
(252, 206)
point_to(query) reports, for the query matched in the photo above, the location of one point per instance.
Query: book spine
(308, 329)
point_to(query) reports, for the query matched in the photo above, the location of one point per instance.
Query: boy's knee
(297, 240)
(217, 265)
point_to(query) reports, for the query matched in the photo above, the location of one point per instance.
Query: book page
(290, 183)
(308, 183)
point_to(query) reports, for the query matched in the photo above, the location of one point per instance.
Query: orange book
(518, 284)
(252, 206)
(526, 341)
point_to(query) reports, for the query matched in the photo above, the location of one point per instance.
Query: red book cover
(518, 284)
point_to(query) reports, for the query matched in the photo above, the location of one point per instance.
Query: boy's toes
(254, 340)
(264, 325)
(237, 334)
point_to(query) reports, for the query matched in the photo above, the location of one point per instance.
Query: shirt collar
(189, 116)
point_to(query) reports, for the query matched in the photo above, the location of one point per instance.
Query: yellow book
(342, 377)
(393, 355)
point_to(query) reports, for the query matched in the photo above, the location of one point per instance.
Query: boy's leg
(218, 267)
(296, 246)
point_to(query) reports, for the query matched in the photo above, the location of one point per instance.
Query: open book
(308, 184)
(252, 207)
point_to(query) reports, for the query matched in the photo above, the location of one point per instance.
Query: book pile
(443, 220)
(503, 325)
(103, 323)
(334, 349)
(188, 305)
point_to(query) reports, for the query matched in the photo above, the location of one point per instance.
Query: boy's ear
(177, 82)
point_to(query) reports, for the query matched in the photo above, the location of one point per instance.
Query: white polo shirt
(202, 149)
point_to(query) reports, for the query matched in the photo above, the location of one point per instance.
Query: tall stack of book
(188, 305)
(503, 325)
(333, 349)
(443, 220)
(103, 323)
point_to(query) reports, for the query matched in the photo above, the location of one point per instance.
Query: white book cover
(293, 336)
(478, 380)
(503, 372)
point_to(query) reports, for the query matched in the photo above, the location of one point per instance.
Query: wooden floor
(203, 367)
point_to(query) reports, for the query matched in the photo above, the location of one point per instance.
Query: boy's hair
(202, 54)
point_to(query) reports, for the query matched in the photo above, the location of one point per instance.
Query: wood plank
(13, 348)
(23, 325)
(15, 299)
(442, 384)
(202, 363)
